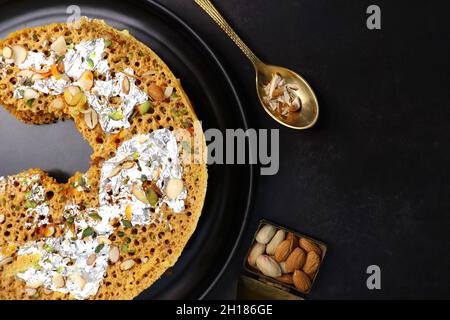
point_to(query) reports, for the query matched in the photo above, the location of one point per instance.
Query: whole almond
(268, 266)
(311, 275)
(276, 240)
(293, 237)
(296, 260)
(156, 92)
(312, 262)
(257, 250)
(308, 245)
(301, 281)
(286, 278)
(283, 250)
(265, 234)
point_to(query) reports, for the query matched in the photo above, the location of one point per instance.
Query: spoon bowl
(308, 114)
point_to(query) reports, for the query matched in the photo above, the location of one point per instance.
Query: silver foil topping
(37, 61)
(98, 98)
(51, 86)
(156, 157)
(68, 258)
(47, 86)
(88, 55)
(37, 208)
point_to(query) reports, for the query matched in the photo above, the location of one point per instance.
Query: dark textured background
(371, 179)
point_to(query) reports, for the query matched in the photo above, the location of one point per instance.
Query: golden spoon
(307, 116)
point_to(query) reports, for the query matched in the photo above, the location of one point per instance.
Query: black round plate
(217, 105)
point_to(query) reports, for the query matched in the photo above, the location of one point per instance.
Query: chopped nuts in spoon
(282, 97)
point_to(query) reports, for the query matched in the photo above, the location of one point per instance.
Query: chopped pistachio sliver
(127, 224)
(59, 59)
(69, 221)
(116, 115)
(28, 83)
(152, 197)
(29, 102)
(47, 248)
(30, 205)
(81, 182)
(99, 248)
(124, 247)
(90, 63)
(178, 113)
(167, 227)
(60, 269)
(145, 107)
(121, 234)
(135, 156)
(35, 37)
(108, 43)
(95, 216)
(186, 123)
(88, 232)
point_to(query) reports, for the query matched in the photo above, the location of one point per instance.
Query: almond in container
(274, 243)
(265, 234)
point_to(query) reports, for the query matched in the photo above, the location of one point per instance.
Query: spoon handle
(209, 8)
